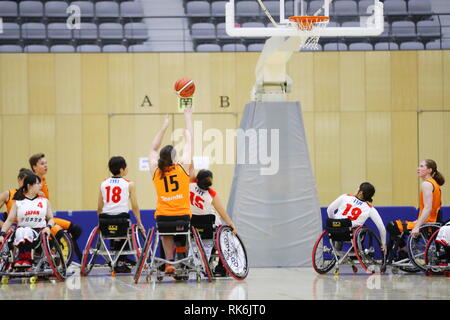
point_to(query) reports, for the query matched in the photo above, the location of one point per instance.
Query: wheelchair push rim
(201, 249)
(232, 253)
(362, 237)
(55, 257)
(317, 245)
(138, 239)
(143, 257)
(86, 266)
(417, 246)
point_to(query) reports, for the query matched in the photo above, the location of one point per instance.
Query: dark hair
(166, 156)
(23, 173)
(116, 163)
(368, 191)
(31, 179)
(34, 159)
(435, 174)
(204, 179)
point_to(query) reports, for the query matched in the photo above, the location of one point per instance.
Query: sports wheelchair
(208, 247)
(437, 255)
(116, 229)
(341, 244)
(413, 260)
(48, 260)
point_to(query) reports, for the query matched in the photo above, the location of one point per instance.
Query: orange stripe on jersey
(436, 204)
(172, 192)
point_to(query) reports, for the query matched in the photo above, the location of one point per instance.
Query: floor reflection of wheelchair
(122, 236)
(413, 259)
(225, 247)
(47, 260)
(340, 244)
(437, 256)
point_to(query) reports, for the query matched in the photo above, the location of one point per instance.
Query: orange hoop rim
(307, 22)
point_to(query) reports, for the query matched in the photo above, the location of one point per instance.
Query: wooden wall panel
(146, 82)
(120, 83)
(14, 155)
(68, 164)
(41, 83)
(327, 156)
(430, 79)
(94, 84)
(95, 134)
(446, 79)
(379, 155)
(352, 81)
(378, 81)
(68, 83)
(198, 67)
(245, 77)
(326, 82)
(352, 150)
(14, 84)
(404, 80)
(222, 71)
(404, 158)
(301, 70)
(171, 68)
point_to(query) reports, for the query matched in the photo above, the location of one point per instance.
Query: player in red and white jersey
(358, 209)
(113, 201)
(32, 214)
(204, 200)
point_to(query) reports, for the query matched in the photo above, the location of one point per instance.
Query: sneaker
(169, 269)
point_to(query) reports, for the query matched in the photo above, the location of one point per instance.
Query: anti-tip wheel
(5, 280)
(33, 279)
(336, 272)
(355, 269)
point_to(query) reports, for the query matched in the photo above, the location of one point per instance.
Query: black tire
(90, 255)
(232, 253)
(55, 256)
(323, 259)
(432, 253)
(368, 250)
(198, 242)
(417, 246)
(143, 257)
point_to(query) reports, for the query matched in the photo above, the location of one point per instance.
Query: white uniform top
(31, 212)
(443, 236)
(348, 206)
(115, 193)
(201, 201)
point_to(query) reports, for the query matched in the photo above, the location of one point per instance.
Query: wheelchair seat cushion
(339, 229)
(204, 224)
(113, 226)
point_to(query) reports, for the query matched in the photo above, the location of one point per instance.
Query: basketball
(184, 87)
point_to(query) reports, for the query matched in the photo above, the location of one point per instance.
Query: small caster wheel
(428, 273)
(383, 269)
(33, 279)
(336, 272)
(394, 270)
(113, 273)
(355, 269)
(159, 278)
(447, 273)
(199, 278)
(5, 280)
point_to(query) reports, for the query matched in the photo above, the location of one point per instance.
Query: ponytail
(20, 194)
(438, 177)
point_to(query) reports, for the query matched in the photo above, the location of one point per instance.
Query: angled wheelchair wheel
(5, 253)
(67, 247)
(323, 259)
(55, 256)
(432, 252)
(90, 252)
(201, 251)
(138, 239)
(368, 250)
(417, 246)
(144, 255)
(232, 253)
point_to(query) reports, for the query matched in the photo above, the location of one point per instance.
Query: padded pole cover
(274, 201)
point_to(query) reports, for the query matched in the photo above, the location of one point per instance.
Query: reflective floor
(261, 284)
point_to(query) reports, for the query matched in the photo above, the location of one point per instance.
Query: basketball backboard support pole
(272, 82)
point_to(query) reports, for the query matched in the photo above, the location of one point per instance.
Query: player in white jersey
(32, 213)
(113, 201)
(358, 209)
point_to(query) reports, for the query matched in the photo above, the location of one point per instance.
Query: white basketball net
(311, 42)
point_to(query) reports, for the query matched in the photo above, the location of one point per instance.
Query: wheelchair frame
(345, 257)
(51, 261)
(431, 258)
(232, 254)
(111, 257)
(413, 263)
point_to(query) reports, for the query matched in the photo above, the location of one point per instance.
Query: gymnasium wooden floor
(261, 284)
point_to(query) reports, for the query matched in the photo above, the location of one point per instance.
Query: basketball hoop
(307, 23)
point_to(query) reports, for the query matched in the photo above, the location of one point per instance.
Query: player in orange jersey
(171, 181)
(429, 201)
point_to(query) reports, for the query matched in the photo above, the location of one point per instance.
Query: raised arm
(156, 144)
(186, 160)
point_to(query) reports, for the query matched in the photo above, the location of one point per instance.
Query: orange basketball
(185, 87)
